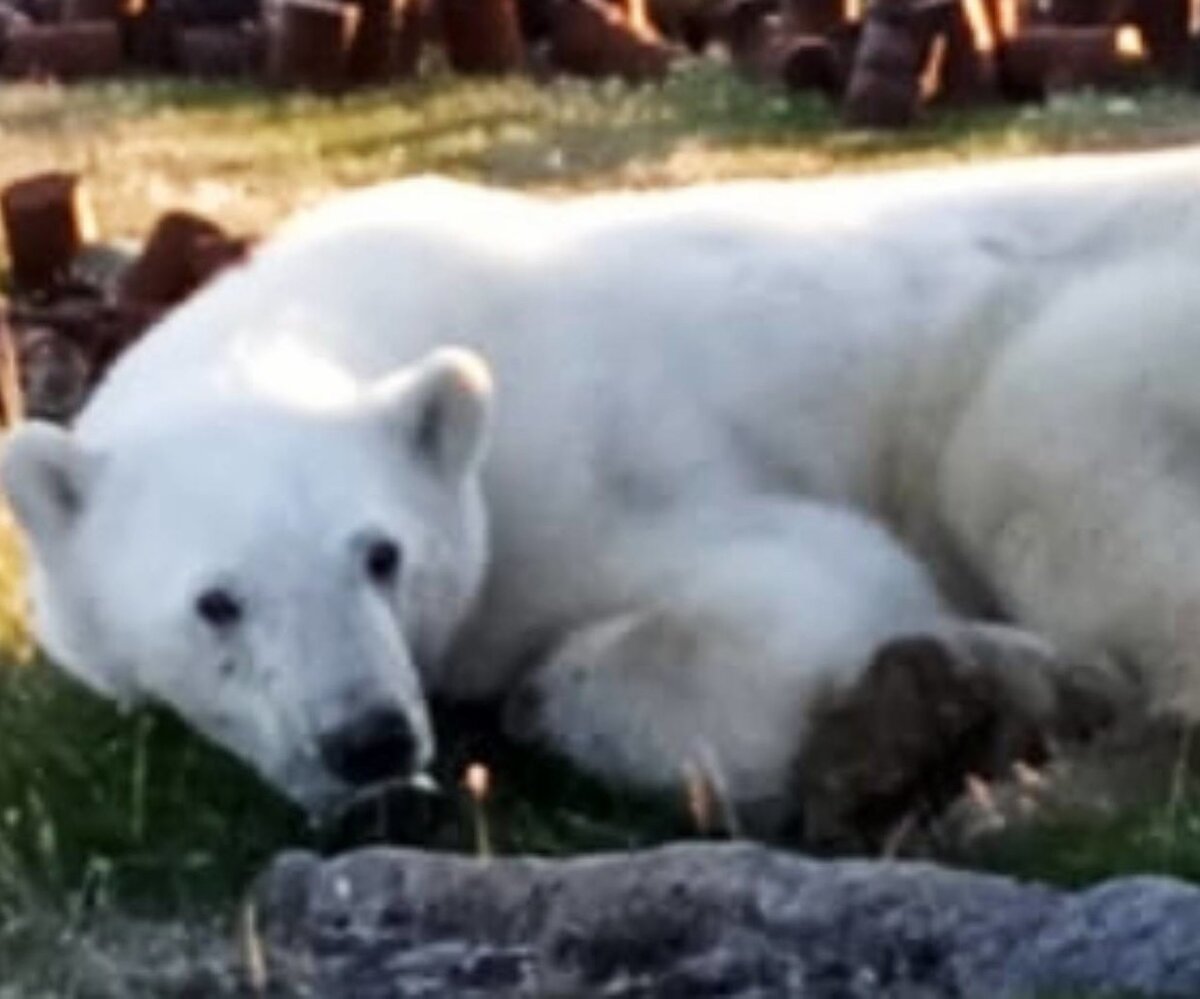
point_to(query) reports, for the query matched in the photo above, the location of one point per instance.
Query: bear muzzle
(371, 748)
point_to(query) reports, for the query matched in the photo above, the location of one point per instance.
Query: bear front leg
(644, 699)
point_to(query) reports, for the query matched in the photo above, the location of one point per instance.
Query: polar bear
(670, 473)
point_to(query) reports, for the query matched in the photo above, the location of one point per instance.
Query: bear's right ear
(441, 407)
(45, 475)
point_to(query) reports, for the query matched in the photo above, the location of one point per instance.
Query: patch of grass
(1079, 850)
(248, 157)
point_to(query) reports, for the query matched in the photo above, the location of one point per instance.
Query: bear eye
(219, 608)
(382, 561)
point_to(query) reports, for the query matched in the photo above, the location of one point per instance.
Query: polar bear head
(284, 578)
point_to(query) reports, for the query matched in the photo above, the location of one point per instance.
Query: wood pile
(881, 59)
(327, 45)
(885, 59)
(77, 302)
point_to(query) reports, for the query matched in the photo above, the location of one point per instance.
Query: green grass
(100, 812)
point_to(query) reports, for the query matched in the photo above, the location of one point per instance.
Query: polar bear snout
(370, 748)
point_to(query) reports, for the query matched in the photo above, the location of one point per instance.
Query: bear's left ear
(442, 407)
(46, 476)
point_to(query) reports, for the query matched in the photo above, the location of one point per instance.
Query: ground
(99, 810)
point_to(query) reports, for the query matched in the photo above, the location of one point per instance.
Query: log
(964, 71)
(810, 63)
(1058, 57)
(182, 252)
(81, 50)
(309, 44)
(1088, 12)
(93, 10)
(47, 219)
(482, 37)
(387, 41)
(594, 39)
(884, 88)
(1164, 25)
(813, 17)
(220, 52)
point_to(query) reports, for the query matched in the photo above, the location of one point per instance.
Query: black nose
(375, 746)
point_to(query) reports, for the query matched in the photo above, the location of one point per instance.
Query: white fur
(708, 401)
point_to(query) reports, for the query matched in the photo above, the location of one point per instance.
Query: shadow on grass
(100, 809)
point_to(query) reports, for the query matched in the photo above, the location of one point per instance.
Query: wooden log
(44, 11)
(1080, 13)
(75, 51)
(1046, 57)
(47, 219)
(1164, 25)
(482, 37)
(387, 41)
(152, 37)
(809, 62)
(813, 17)
(182, 252)
(220, 52)
(594, 39)
(309, 44)
(884, 88)
(93, 10)
(959, 66)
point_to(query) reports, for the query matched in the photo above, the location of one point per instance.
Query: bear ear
(45, 475)
(442, 407)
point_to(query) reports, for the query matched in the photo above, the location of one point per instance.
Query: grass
(99, 811)
(247, 158)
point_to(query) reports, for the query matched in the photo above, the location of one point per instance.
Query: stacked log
(309, 47)
(482, 37)
(79, 304)
(594, 38)
(47, 220)
(905, 54)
